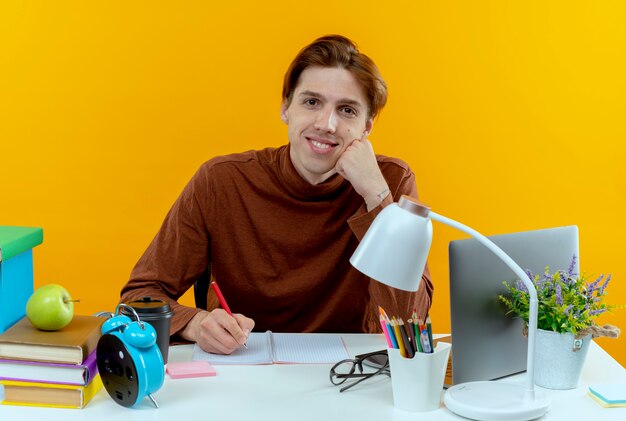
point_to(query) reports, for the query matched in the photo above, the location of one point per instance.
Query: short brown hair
(339, 51)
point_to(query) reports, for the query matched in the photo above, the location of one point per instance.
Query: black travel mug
(158, 314)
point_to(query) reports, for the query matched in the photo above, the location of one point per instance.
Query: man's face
(328, 111)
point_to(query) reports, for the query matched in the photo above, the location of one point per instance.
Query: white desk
(304, 392)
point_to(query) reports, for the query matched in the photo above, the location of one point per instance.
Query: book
(70, 345)
(16, 240)
(609, 395)
(76, 374)
(16, 287)
(281, 348)
(16, 271)
(49, 394)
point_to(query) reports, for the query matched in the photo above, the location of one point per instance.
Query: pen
(222, 300)
(425, 341)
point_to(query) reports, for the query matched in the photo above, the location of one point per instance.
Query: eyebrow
(346, 101)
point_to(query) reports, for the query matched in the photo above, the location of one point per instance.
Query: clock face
(117, 370)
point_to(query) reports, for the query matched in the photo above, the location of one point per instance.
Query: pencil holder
(417, 382)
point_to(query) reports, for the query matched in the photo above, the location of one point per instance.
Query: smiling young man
(328, 115)
(278, 226)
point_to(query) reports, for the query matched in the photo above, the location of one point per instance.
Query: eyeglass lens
(361, 368)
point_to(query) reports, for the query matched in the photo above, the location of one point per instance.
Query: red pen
(222, 300)
(220, 297)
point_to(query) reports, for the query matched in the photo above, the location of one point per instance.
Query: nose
(326, 120)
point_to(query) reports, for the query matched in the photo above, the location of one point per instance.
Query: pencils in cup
(409, 338)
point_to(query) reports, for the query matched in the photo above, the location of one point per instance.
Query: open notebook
(282, 348)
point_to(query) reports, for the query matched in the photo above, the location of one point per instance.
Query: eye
(311, 102)
(348, 111)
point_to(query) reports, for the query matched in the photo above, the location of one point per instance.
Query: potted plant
(568, 308)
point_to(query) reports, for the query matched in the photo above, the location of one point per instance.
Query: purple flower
(596, 312)
(542, 281)
(593, 286)
(603, 287)
(568, 309)
(572, 266)
(521, 286)
(569, 280)
(530, 275)
(559, 296)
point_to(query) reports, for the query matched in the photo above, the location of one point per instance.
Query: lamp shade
(395, 247)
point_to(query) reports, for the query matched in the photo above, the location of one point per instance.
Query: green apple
(50, 307)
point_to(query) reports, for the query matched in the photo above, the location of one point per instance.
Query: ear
(284, 112)
(369, 124)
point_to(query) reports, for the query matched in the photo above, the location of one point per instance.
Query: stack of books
(53, 369)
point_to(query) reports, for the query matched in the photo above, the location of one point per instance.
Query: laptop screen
(487, 343)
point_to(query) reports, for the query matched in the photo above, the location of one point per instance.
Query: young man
(278, 226)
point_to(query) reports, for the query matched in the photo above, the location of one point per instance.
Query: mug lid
(149, 305)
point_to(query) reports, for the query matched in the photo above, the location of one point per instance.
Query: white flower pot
(559, 359)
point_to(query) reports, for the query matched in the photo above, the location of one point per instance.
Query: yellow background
(510, 113)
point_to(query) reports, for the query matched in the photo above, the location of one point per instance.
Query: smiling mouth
(321, 146)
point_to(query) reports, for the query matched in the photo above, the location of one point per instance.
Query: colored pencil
(429, 328)
(408, 348)
(390, 330)
(383, 325)
(411, 329)
(396, 329)
(418, 342)
(392, 335)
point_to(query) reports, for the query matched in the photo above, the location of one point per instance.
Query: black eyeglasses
(362, 367)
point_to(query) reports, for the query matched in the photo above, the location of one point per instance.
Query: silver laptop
(487, 343)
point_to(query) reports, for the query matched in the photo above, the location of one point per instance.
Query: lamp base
(495, 401)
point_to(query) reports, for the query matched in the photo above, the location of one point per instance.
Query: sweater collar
(298, 187)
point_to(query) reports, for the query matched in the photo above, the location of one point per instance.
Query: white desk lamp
(394, 250)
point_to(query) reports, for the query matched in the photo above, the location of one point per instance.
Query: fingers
(245, 323)
(349, 157)
(221, 333)
(358, 161)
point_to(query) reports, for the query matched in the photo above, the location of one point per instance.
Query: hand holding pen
(219, 331)
(224, 304)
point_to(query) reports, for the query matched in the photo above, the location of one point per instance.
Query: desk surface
(304, 392)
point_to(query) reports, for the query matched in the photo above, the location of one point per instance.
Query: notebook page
(309, 348)
(258, 352)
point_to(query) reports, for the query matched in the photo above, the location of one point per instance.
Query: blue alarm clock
(129, 360)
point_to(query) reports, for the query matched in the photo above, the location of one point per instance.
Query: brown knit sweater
(279, 247)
